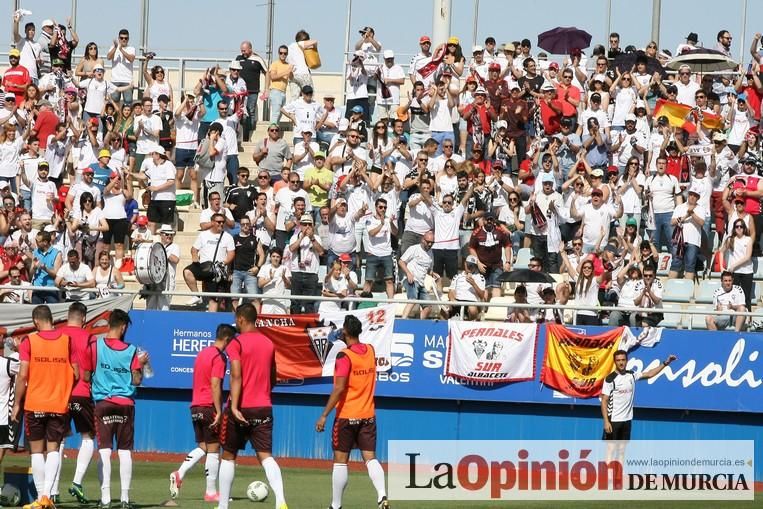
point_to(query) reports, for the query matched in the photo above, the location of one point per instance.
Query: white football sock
(84, 456)
(190, 460)
(125, 473)
(54, 487)
(376, 473)
(52, 460)
(38, 472)
(273, 473)
(338, 484)
(227, 473)
(211, 467)
(105, 475)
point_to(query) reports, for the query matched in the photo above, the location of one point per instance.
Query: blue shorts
(689, 261)
(491, 277)
(374, 263)
(414, 291)
(184, 157)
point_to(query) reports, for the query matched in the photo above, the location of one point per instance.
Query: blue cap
(357, 109)
(742, 97)
(547, 177)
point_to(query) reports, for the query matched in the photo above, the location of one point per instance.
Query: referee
(617, 396)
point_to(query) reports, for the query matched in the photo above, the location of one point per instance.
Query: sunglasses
(282, 53)
(381, 207)
(294, 182)
(263, 176)
(123, 38)
(739, 227)
(219, 222)
(353, 136)
(274, 129)
(577, 244)
(684, 73)
(447, 202)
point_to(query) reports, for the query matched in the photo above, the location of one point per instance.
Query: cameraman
(212, 246)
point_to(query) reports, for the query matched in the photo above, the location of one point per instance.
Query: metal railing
(758, 314)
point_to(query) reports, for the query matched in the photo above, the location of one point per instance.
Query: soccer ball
(10, 496)
(257, 491)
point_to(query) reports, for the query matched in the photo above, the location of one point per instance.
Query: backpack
(202, 155)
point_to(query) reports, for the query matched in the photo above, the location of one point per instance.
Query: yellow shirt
(280, 68)
(318, 196)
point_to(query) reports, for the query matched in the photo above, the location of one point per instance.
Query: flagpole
(742, 31)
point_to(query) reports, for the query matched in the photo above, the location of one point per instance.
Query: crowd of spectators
(430, 180)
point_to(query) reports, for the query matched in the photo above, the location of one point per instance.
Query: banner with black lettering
(500, 352)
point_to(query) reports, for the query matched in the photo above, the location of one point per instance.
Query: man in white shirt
(159, 174)
(664, 192)
(30, 50)
(218, 150)
(380, 228)
(416, 262)
(73, 275)
(230, 125)
(215, 207)
(468, 286)
(420, 60)
(213, 246)
(596, 219)
(729, 297)
(690, 216)
(303, 112)
(303, 253)
(391, 76)
(284, 200)
(304, 152)
(44, 195)
(628, 143)
(85, 185)
(420, 218)
(122, 57)
(686, 86)
(146, 127)
(447, 219)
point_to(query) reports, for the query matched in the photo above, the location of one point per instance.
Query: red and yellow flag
(576, 364)
(678, 116)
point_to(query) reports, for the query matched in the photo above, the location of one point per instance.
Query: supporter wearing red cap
(421, 59)
(496, 87)
(478, 116)
(16, 77)
(550, 109)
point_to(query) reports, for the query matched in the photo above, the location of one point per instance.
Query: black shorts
(620, 431)
(46, 426)
(115, 421)
(202, 418)
(184, 158)
(5, 437)
(118, 230)
(161, 211)
(445, 262)
(82, 412)
(258, 430)
(349, 434)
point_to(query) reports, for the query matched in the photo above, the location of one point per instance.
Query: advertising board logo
(401, 356)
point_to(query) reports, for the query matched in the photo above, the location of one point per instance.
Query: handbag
(208, 270)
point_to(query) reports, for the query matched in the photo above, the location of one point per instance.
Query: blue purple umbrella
(561, 40)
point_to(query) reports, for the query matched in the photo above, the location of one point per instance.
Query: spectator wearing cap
(479, 116)
(327, 126)
(492, 247)
(664, 193)
(478, 67)
(454, 56)
(688, 218)
(301, 75)
(419, 61)
(167, 239)
(358, 122)
(16, 77)
(303, 256)
(303, 112)
(441, 102)
(596, 219)
(691, 43)
(391, 76)
(467, 286)
(159, 175)
(29, 49)
(740, 117)
(596, 144)
(568, 145)
(304, 153)
(10, 149)
(628, 143)
(252, 66)
(550, 109)
(545, 209)
(525, 47)
(43, 195)
(101, 170)
(497, 88)
(357, 86)
(97, 89)
(277, 78)
(272, 153)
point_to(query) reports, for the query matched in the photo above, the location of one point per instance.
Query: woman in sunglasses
(158, 83)
(85, 225)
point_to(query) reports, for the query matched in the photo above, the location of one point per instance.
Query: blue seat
(523, 258)
(757, 267)
(698, 321)
(671, 320)
(678, 290)
(705, 291)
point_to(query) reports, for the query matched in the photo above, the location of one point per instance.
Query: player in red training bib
(249, 416)
(206, 412)
(355, 421)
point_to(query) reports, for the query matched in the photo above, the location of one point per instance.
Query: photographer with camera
(212, 253)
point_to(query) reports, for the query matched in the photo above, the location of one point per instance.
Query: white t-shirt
(740, 247)
(723, 300)
(390, 73)
(446, 226)
(121, 68)
(305, 259)
(159, 175)
(169, 282)
(81, 275)
(307, 161)
(625, 100)
(381, 243)
(419, 216)
(305, 114)
(627, 150)
(206, 242)
(206, 214)
(81, 187)
(595, 221)
(341, 234)
(9, 158)
(357, 83)
(285, 200)
(296, 58)
(187, 132)
(692, 232)
(419, 262)
(440, 115)
(632, 199)
(654, 145)
(230, 124)
(664, 189)
(145, 141)
(686, 92)
(92, 218)
(620, 389)
(277, 287)
(97, 92)
(55, 154)
(219, 169)
(30, 51)
(40, 208)
(29, 165)
(114, 205)
(464, 290)
(335, 286)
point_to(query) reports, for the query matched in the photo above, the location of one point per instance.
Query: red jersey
(210, 363)
(573, 92)
(256, 354)
(15, 80)
(80, 343)
(483, 113)
(489, 245)
(8, 261)
(551, 119)
(24, 346)
(45, 125)
(118, 345)
(748, 183)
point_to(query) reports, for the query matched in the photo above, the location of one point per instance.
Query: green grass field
(305, 489)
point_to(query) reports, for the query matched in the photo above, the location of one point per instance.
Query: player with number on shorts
(355, 421)
(249, 417)
(206, 413)
(46, 376)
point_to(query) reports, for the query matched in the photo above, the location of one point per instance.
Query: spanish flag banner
(576, 364)
(678, 116)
